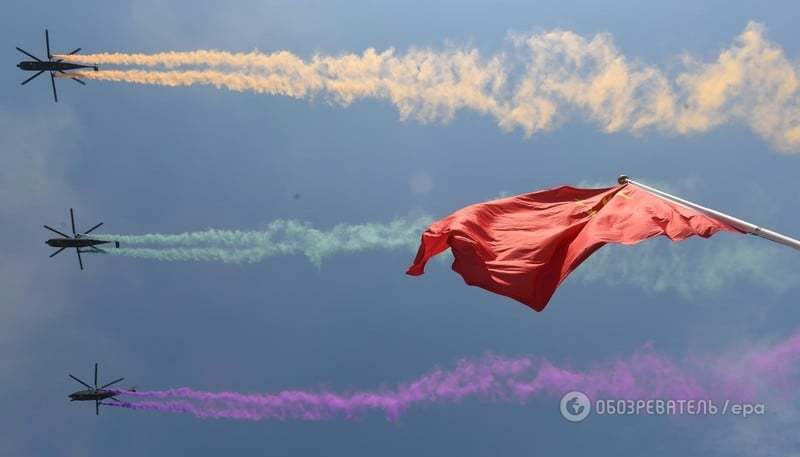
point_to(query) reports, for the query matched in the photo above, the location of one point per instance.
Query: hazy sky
(156, 159)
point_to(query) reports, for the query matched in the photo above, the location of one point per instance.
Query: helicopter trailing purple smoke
(644, 375)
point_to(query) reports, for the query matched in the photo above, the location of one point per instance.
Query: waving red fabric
(523, 247)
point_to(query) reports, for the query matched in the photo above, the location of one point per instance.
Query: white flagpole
(744, 226)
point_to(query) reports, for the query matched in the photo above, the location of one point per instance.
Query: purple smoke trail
(645, 375)
(466, 380)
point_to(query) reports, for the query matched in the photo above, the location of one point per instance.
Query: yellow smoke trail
(533, 86)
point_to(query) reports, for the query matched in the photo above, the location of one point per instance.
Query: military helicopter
(77, 240)
(96, 394)
(50, 65)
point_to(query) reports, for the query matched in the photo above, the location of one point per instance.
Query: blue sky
(153, 159)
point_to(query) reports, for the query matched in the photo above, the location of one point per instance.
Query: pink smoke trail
(644, 375)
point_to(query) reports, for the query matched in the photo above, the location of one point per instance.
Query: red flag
(523, 247)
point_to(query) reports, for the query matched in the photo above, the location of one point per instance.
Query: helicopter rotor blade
(87, 385)
(28, 54)
(47, 42)
(56, 231)
(72, 219)
(78, 81)
(80, 262)
(31, 78)
(54, 254)
(95, 375)
(97, 407)
(90, 230)
(74, 52)
(53, 82)
(112, 382)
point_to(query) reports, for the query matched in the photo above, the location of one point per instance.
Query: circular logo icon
(575, 406)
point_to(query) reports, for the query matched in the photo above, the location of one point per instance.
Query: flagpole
(740, 224)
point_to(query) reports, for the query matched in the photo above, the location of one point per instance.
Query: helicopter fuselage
(91, 395)
(74, 242)
(43, 65)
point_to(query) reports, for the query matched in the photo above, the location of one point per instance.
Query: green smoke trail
(281, 237)
(688, 270)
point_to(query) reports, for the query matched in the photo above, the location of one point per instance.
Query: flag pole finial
(622, 179)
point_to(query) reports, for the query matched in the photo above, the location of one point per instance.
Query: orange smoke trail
(343, 87)
(270, 84)
(543, 79)
(275, 61)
